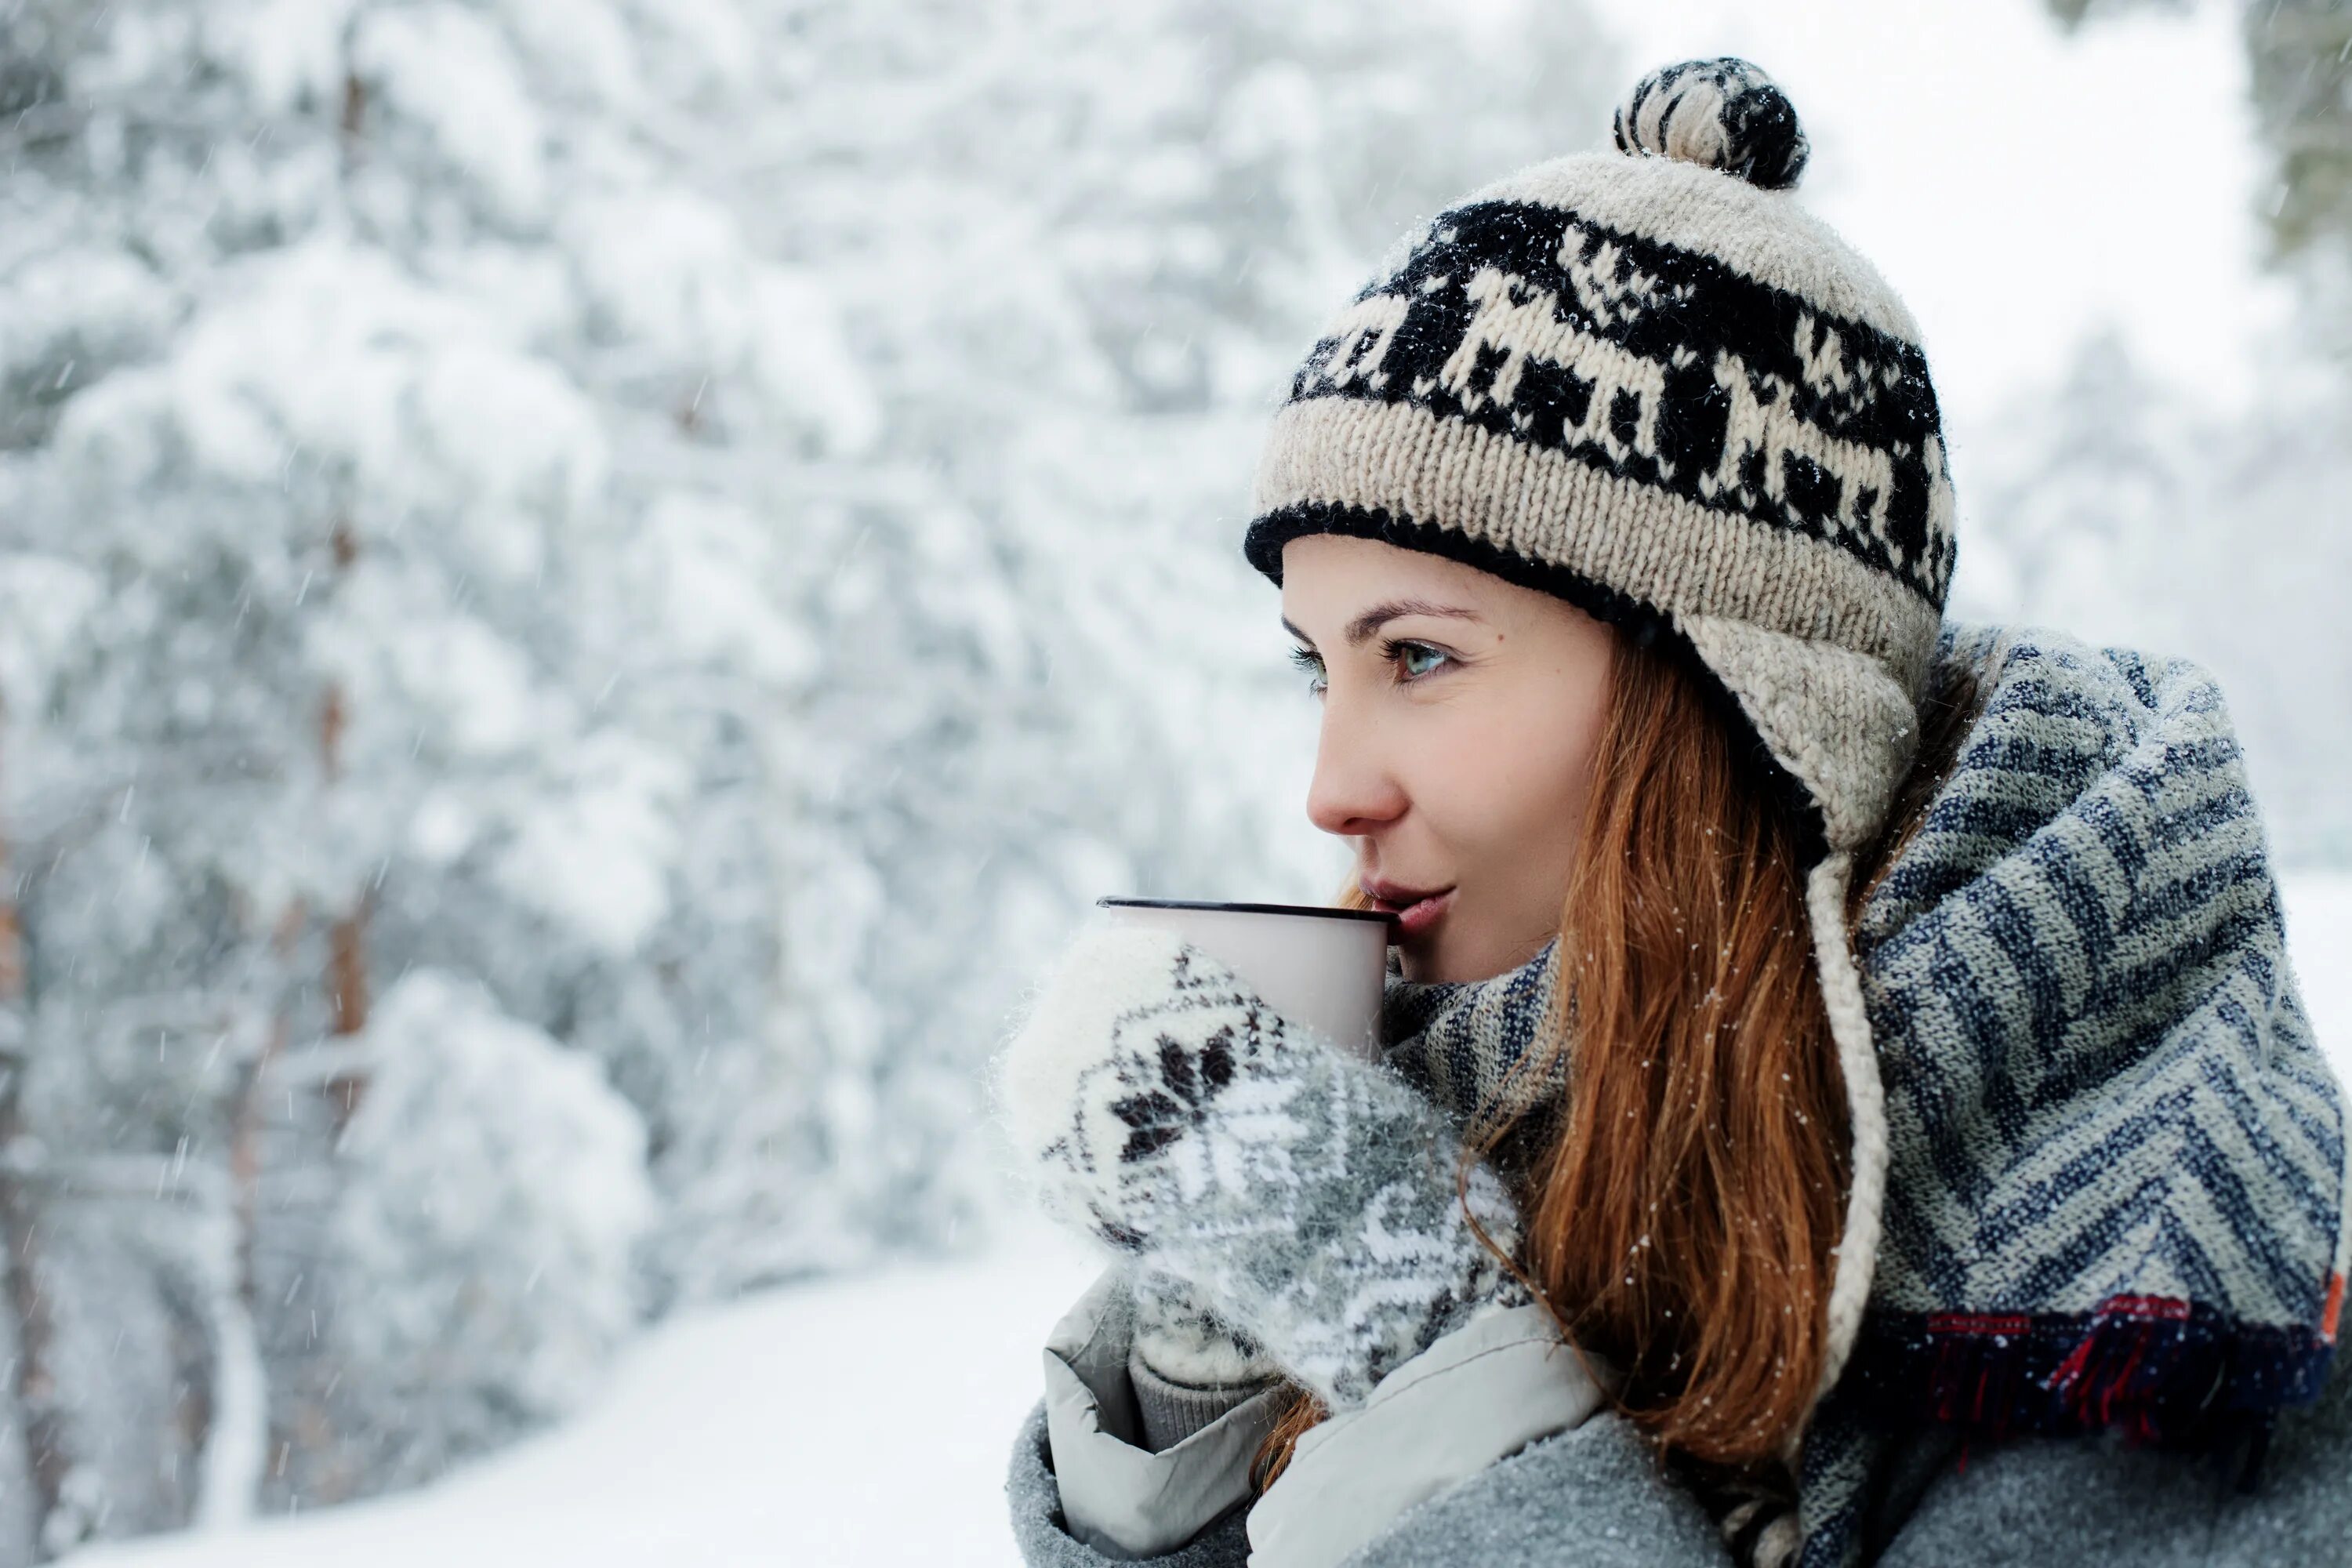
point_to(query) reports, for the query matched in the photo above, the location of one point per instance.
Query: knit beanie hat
(1647, 381)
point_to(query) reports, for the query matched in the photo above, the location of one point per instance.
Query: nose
(1354, 791)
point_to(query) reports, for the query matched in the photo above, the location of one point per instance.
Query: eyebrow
(1372, 620)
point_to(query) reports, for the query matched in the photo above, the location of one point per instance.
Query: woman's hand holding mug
(1302, 1195)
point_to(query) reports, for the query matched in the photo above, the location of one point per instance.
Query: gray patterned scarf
(2117, 1190)
(1458, 1042)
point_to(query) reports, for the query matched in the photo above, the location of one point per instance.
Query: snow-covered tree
(571, 549)
(344, 400)
(1080, 250)
(491, 1193)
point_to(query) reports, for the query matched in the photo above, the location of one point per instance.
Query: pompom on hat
(1646, 380)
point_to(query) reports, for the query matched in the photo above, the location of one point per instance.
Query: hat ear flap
(1840, 721)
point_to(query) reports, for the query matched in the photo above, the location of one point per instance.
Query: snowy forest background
(587, 586)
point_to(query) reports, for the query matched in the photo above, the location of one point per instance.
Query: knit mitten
(1306, 1197)
(1186, 1367)
(1185, 1342)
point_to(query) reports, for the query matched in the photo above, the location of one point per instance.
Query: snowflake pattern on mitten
(1309, 1198)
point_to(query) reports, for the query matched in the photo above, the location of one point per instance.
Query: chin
(1423, 963)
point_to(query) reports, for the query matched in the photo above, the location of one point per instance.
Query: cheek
(1539, 788)
(1503, 789)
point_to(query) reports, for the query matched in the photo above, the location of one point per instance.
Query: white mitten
(1307, 1198)
(1184, 1342)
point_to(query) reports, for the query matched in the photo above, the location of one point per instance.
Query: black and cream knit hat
(1648, 381)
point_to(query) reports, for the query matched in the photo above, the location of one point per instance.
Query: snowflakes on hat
(1662, 365)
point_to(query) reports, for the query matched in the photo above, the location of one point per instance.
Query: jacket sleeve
(1043, 1533)
(1088, 1494)
(1084, 1488)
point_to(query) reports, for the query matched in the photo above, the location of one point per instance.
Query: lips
(1417, 912)
(1418, 909)
(1395, 896)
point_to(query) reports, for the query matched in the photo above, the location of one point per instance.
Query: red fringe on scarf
(2165, 1372)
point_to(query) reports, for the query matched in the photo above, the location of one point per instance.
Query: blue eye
(1391, 649)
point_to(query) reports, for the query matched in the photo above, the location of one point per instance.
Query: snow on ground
(854, 1424)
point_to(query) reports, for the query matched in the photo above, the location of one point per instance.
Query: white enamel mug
(1324, 969)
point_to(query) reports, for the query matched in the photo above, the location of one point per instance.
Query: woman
(1845, 1096)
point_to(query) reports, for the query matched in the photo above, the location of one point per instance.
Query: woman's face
(1460, 716)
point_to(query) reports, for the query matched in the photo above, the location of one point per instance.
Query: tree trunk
(347, 975)
(22, 1162)
(237, 1441)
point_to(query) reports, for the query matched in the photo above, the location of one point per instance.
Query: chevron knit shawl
(2117, 1190)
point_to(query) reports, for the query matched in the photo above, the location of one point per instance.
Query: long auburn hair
(1679, 1204)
